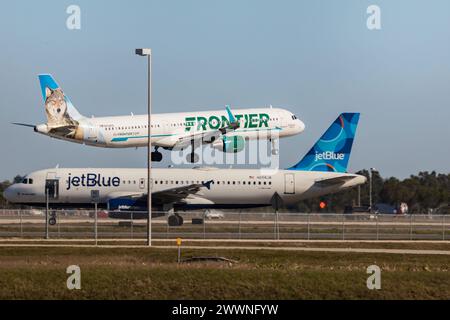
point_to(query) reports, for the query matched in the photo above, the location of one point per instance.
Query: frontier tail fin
(59, 109)
(332, 151)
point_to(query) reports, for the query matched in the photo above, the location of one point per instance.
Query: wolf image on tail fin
(332, 151)
(62, 117)
(56, 108)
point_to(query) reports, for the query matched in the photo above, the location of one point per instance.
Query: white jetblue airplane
(321, 171)
(171, 131)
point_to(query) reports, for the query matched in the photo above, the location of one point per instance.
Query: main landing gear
(156, 155)
(175, 220)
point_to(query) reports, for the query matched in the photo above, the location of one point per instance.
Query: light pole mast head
(144, 52)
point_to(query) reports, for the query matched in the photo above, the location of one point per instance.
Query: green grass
(130, 273)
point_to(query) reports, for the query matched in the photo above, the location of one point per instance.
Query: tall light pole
(371, 170)
(148, 52)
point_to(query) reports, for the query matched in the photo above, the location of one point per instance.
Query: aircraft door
(289, 183)
(142, 183)
(52, 186)
(92, 134)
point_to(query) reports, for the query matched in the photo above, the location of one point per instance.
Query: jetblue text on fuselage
(92, 180)
(329, 155)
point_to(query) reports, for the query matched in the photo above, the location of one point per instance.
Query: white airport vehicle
(213, 214)
(321, 171)
(224, 130)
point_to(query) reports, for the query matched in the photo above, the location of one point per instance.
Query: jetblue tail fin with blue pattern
(332, 151)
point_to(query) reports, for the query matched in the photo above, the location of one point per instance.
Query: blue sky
(315, 58)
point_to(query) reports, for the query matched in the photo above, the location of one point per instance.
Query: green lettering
(251, 122)
(189, 123)
(214, 122)
(201, 122)
(263, 119)
(225, 122)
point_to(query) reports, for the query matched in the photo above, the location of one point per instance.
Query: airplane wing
(134, 201)
(333, 181)
(207, 137)
(177, 194)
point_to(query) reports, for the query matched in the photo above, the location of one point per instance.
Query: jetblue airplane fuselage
(218, 188)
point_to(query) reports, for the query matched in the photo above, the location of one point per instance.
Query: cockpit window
(27, 181)
(294, 117)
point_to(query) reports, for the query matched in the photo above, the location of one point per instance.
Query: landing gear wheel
(175, 221)
(156, 156)
(52, 221)
(192, 157)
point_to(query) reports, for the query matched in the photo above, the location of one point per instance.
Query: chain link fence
(80, 224)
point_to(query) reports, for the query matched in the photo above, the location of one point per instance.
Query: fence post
(204, 224)
(96, 223)
(239, 228)
(443, 227)
(21, 226)
(343, 227)
(309, 219)
(276, 230)
(167, 230)
(410, 227)
(278, 226)
(57, 221)
(376, 218)
(132, 225)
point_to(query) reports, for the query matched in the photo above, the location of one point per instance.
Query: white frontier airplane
(321, 171)
(171, 131)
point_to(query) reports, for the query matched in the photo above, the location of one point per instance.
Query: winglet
(207, 184)
(230, 114)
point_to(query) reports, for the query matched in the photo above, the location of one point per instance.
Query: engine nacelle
(231, 144)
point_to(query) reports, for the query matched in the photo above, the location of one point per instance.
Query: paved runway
(295, 249)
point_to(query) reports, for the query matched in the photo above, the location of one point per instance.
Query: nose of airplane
(300, 125)
(8, 194)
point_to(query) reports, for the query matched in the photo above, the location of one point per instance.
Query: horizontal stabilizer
(24, 124)
(333, 181)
